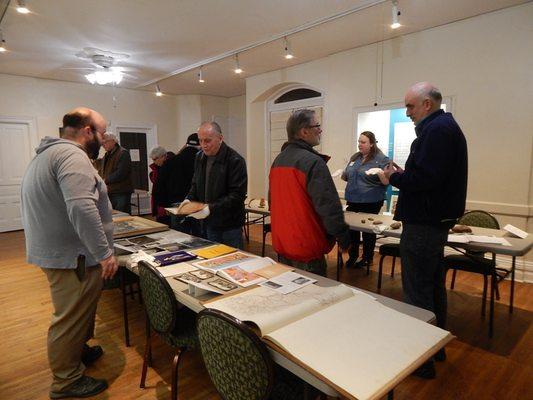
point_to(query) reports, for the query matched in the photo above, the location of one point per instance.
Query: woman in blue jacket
(365, 192)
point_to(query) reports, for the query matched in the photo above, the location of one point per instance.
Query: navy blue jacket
(433, 185)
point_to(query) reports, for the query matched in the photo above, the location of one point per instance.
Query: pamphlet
(288, 282)
(214, 251)
(207, 281)
(174, 257)
(458, 238)
(218, 263)
(515, 231)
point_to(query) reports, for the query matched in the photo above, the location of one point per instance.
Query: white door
(15, 155)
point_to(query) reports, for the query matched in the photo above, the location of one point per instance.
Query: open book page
(365, 347)
(288, 282)
(270, 310)
(228, 260)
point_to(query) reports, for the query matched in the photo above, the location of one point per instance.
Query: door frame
(31, 122)
(151, 139)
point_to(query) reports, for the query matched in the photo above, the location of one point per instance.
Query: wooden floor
(476, 368)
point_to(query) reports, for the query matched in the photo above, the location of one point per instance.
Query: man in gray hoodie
(67, 221)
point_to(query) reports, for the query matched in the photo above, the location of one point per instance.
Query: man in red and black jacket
(305, 209)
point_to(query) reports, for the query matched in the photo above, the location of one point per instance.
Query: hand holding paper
(203, 213)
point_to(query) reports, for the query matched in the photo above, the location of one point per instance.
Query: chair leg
(512, 286)
(393, 264)
(147, 355)
(175, 364)
(453, 279)
(124, 305)
(380, 272)
(390, 395)
(484, 303)
(264, 244)
(340, 262)
(491, 309)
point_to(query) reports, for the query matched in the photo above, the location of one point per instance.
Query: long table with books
(301, 317)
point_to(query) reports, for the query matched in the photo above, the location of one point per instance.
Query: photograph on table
(134, 226)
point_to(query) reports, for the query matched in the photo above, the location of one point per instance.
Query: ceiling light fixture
(158, 91)
(21, 7)
(288, 53)
(103, 77)
(395, 14)
(3, 47)
(200, 76)
(238, 69)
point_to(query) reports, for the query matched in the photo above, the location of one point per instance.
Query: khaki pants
(72, 321)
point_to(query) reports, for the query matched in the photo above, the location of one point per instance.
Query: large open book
(347, 339)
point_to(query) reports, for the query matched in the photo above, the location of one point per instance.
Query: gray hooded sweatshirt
(65, 207)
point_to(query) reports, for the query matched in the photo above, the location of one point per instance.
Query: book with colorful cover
(214, 251)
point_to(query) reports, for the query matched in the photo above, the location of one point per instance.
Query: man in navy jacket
(432, 197)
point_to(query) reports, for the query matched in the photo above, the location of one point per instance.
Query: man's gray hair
(435, 95)
(157, 152)
(298, 120)
(216, 127)
(110, 136)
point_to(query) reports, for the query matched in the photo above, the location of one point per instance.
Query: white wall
(175, 117)
(47, 101)
(483, 62)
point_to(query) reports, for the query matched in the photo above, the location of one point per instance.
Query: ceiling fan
(105, 68)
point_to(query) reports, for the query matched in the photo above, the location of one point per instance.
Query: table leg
(512, 285)
(124, 305)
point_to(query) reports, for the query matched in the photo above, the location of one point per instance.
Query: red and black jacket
(305, 209)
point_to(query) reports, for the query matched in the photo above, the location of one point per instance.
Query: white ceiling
(162, 36)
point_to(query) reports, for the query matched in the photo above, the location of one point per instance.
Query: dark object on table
(174, 257)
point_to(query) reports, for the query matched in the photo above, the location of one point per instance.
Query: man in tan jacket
(115, 170)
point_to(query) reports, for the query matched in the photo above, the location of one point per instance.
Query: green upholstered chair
(174, 325)
(476, 262)
(238, 361)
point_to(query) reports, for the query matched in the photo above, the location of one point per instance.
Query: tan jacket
(115, 170)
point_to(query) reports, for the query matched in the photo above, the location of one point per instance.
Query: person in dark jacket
(115, 170)
(159, 156)
(305, 210)
(174, 183)
(432, 197)
(220, 181)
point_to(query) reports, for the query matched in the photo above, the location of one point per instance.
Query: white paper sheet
(175, 269)
(288, 282)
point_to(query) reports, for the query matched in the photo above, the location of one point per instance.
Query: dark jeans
(189, 225)
(423, 273)
(230, 237)
(318, 266)
(369, 239)
(121, 202)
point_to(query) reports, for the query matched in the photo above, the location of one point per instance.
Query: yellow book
(213, 251)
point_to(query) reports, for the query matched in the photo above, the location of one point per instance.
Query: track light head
(21, 7)
(395, 14)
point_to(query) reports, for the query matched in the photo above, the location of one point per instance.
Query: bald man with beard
(67, 221)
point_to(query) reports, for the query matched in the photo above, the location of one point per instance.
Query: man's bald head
(86, 127)
(81, 117)
(421, 100)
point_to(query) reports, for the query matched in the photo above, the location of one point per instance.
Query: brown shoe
(86, 386)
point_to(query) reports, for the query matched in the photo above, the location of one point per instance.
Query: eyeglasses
(314, 126)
